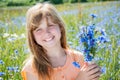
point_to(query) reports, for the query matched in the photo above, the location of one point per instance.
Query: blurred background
(76, 14)
(31, 2)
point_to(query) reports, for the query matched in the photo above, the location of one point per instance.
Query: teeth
(48, 39)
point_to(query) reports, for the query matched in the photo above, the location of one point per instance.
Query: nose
(46, 27)
(46, 31)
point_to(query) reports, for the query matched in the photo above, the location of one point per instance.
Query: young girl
(51, 57)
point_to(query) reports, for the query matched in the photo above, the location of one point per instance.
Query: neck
(55, 52)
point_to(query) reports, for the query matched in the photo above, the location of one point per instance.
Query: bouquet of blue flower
(91, 39)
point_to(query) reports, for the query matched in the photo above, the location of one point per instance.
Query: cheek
(59, 32)
(56, 31)
(37, 38)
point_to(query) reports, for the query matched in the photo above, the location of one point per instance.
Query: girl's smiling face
(47, 34)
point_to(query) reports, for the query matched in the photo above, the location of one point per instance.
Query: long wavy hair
(40, 59)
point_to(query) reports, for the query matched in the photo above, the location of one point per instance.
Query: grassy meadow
(13, 45)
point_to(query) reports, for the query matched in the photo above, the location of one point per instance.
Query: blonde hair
(34, 15)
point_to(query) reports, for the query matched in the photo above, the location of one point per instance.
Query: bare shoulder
(28, 66)
(28, 72)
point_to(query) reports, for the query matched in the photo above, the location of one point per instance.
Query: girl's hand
(89, 72)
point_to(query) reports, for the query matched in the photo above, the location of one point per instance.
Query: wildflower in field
(102, 31)
(93, 15)
(5, 35)
(10, 68)
(102, 39)
(70, 43)
(11, 39)
(14, 35)
(1, 78)
(22, 36)
(19, 21)
(14, 69)
(16, 52)
(2, 73)
(103, 69)
(118, 43)
(1, 62)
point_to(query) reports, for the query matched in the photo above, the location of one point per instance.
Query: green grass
(107, 13)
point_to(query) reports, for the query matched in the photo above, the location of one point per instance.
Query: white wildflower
(22, 36)
(11, 39)
(14, 35)
(5, 35)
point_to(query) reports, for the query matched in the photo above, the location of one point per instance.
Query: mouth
(49, 39)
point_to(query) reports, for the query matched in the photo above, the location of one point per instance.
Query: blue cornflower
(76, 64)
(90, 34)
(93, 15)
(10, 68)
(1, 62)
(103, 69)
(102, 39)
(103, 32)
(86, 50)
(83, 39)
(88, 57)
(1, 74)
(16, 52)
(92, 42)
(15, 69)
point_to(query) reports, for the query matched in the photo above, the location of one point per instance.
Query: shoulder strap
(23, 74)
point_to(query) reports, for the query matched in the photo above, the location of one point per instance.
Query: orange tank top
(67, 72)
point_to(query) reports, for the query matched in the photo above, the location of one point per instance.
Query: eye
(52, 25)
(38, 29)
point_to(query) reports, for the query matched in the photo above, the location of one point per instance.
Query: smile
(49, 39)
